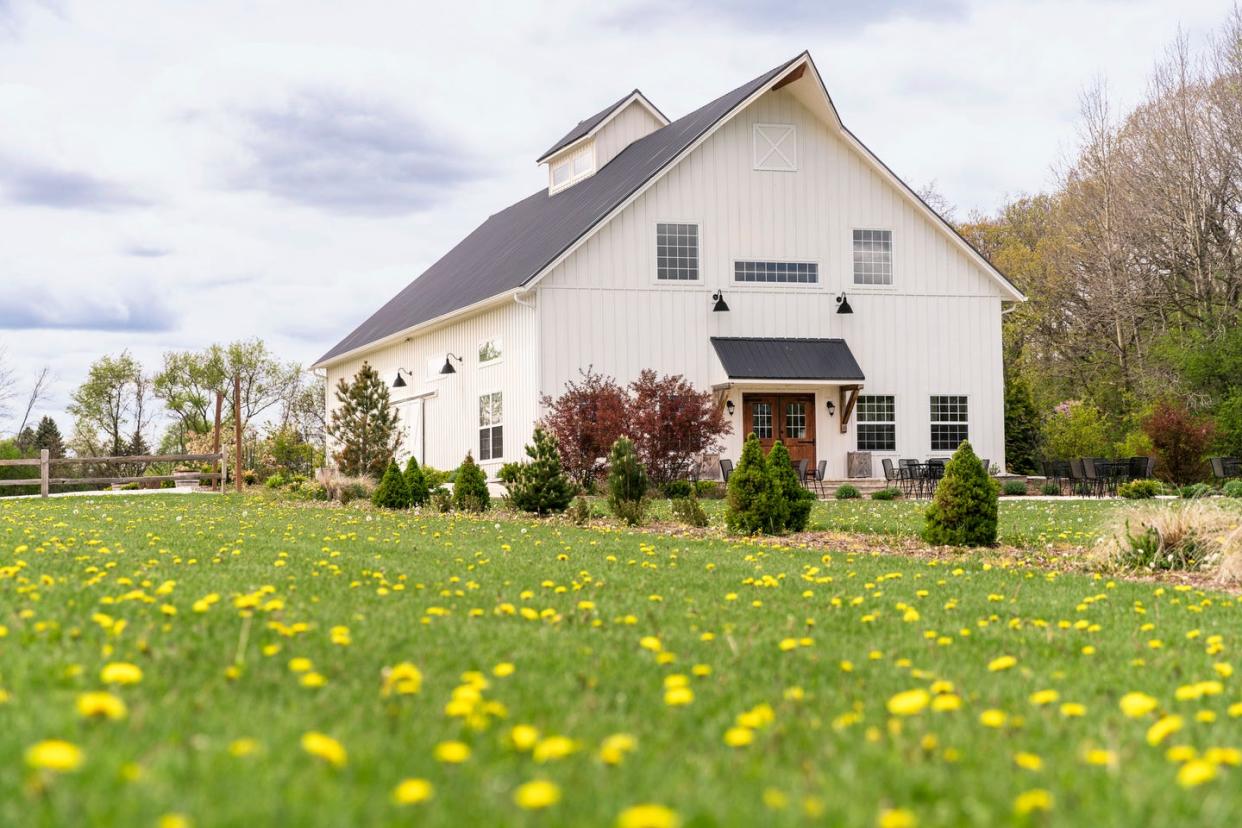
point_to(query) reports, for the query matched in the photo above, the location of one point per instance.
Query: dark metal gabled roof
(584, 127)
(787, 359)
(516, 244)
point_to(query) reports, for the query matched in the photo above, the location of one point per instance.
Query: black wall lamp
(832, 409)
(729, 405)
(448, 365)
(399, 382)
(843, 304)
(721, 305)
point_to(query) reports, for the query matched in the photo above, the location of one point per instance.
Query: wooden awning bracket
(849, 396)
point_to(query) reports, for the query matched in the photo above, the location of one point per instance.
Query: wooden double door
(789, 418)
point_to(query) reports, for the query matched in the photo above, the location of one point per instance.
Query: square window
(490, 351)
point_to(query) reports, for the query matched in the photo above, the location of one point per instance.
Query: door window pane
(761, 420)
(795, 420)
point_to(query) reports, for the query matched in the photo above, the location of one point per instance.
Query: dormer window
(571, 167)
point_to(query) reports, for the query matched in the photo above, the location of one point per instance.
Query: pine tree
(1021, 427)
(470, 487)
(627, 482)
(964, 509)
(364, 426)
(792, 502)
(540, 486)
(25, 441)
(749, 508)
(392, 492)
(416, 482)
(47, 436)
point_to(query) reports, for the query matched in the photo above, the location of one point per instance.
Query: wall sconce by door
(843, 304)
(721, 306)
(832, 409)
(729, 406)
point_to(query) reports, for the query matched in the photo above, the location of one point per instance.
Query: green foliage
(1140, 489)
(274, 481)
(285, 450)
(678, 488)
(364, 424)
(890, 493)
(1022, 433)
(1135, 444)
(709, 490)
(114, 402)
(963, 510)
(1076, 429)
(416, 482)
(689, 511)
(627, 482)
(1232, 488)
(539, 485)
(750, 509)
(10, 451)
(1014, 488)
(442, 500)
(847, 491)
(470, 487)
(436, 478)
(581, 513)
(392, 492)
(1050, 490)
(1196, 490)
(793, 501)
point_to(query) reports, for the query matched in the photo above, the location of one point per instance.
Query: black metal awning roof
(750, 358)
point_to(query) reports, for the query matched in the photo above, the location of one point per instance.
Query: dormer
(598, 139)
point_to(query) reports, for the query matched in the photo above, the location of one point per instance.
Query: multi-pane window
(795, 420)
(787, 272)
(877, 423)
(761, 420)
(873, 257)
(677, 252)
(949, 419)
(491, 430)
(490, 350)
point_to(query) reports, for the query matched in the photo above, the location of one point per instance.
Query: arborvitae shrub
(627, 482)
(470, 488)
(963, 510)
(416, 483)
(792, 501)
(391, 493)
(749, 508)
(540, 486)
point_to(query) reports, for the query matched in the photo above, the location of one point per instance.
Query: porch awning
(750, 358)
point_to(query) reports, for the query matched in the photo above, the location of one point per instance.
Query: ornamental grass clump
(1195, 536)
(963, 511)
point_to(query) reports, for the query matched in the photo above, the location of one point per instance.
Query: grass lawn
(1022, 522)
(858, 689)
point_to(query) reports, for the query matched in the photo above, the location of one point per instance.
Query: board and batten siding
(452, 412)
(936, 330)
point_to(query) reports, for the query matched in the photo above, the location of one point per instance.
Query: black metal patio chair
(726, 469)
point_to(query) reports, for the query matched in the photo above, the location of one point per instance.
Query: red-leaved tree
(672, 424)
(1180, 440)
(586, 419)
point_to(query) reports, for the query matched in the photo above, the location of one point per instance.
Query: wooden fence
(45, 480)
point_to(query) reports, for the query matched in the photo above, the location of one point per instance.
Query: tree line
(1133, 268)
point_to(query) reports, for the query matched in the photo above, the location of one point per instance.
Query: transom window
(950, 419)
(491, 428)
(795, 420)
(873, 257)
(490, 350)
(784, 272)
(573, 167)
(677, 252)
(877, 423)
(761, 420)
(776, 147)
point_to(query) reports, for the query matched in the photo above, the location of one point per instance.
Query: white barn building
(761, 202)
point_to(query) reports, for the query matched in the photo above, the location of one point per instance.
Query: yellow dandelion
(120, 672)
(1004, 662)
(896, 818)
(1033, 800)
(1163, 728)
(324, 747)
(1196, 772)
(100, 705)
(537, 794)
(1136, 705)
(1028, 761)
(739, 736)
(452, 752)
(412, 792)
(993, 718)
(55, 755)
(648, 816)
(909, 702)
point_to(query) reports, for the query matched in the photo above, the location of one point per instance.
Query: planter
(857, 464)
(186, 479)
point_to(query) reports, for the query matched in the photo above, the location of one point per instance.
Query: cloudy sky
(174, 173)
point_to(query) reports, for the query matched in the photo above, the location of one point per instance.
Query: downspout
(518, 299)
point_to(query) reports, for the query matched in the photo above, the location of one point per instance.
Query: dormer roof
(588, 127)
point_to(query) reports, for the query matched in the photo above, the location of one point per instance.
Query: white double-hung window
(491, 426)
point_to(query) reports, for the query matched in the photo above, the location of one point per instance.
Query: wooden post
(215, 440)
(44, 469)
(237, 431)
